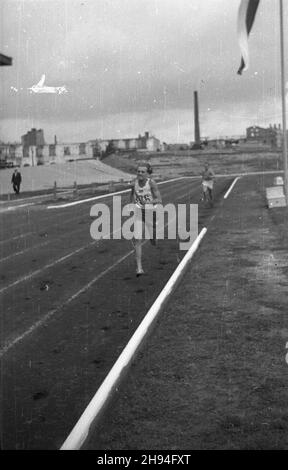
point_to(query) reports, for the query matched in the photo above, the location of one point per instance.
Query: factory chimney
(197, 142)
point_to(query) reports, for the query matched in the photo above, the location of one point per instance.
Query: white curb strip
(103, 196)
(231, 187)
(80, 432)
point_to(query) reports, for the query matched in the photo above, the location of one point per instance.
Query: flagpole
(284, 145)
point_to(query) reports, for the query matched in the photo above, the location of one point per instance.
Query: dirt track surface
(69, 304)
(213, 374)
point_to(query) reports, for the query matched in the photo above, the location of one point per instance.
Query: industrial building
(271, 136)
(140, 143)
(34, 151)
(33, 137)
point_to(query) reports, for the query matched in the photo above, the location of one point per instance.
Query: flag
(5, 60)
(246, 15)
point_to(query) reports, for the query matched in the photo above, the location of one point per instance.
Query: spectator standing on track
(145, 195)
(16, 181)
(207, 183)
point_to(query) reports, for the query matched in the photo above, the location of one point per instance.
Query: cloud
(170, 125)
(138, 59)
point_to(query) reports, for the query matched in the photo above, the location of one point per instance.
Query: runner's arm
(212, 174)
(155, 193)
(132, 194)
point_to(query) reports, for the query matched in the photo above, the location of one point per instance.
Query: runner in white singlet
(208, 177)
(145, 195)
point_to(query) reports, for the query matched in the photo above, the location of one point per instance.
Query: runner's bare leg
(138, 251)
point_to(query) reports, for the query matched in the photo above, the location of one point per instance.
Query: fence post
(55, 190)
(111, 187)
(75, 190)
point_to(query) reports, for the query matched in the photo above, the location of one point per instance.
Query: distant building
(33, 155)
(140, 143)
(218, 143)
(33, 137)
(176, 147)
(152, 143)
(164, 147)
(33, 151)
(10, 154)
(271, 136)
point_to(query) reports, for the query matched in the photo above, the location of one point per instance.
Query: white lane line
(47, 266)
(80, 432)
(66, 221)
(16, 237)
(230, 175)
(82, 201)
(28, 198)
(51, 313)
(103, 196)
(250, 173)
(40, 245)
(63, 258)
(54, 263)
(231, 187)
(74, 296)
(14, 208)
(94, 198)
(29, 248)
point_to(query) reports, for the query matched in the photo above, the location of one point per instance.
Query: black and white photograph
(143, 227)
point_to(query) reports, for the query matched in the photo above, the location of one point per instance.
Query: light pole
(284, 143)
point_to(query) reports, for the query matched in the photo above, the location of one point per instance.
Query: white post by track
(231, 187)
(80, 432)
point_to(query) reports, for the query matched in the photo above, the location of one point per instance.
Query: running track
(68, 306)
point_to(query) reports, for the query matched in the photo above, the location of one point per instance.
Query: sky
(131, 66)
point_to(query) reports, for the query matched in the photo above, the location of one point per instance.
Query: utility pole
(284, 143)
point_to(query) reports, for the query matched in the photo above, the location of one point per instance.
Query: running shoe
(139, 272)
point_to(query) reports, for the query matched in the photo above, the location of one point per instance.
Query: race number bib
(142, 200)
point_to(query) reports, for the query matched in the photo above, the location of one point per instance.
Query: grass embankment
(189, 163)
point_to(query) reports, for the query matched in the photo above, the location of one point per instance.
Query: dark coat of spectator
(16, 181)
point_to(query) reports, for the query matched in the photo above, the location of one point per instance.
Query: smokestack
(196, 122)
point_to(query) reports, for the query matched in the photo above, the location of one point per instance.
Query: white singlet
(143, 194)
